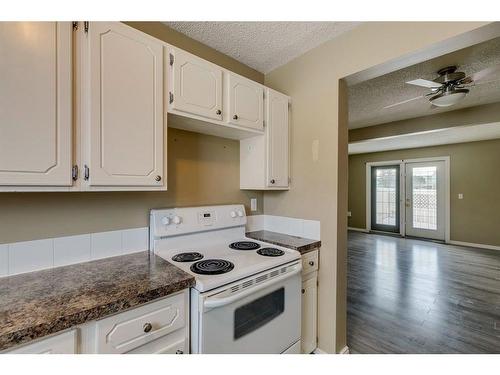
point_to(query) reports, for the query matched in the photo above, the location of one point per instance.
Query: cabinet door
(277, 139)
(197, 86)
(309, 314)
(246, 102)
(64, 343)
(35, 103)
(125, 138)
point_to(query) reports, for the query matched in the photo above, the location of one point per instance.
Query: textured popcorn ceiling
(262, 46)
(367, 99)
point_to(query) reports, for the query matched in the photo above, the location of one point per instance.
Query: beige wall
(312, 82)
(474, 171)
(482, 114)
(201, 170)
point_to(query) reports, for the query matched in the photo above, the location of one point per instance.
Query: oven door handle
(211, 303)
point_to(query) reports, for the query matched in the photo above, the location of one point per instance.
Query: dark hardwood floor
(412, 296)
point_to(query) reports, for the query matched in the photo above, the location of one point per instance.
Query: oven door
(263, 318)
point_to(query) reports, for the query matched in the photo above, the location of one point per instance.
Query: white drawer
(310, 262)
(63, 343)
(128, 330)
(174, 343)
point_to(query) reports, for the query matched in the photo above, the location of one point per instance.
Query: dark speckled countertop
(303, 245)
(40, 303)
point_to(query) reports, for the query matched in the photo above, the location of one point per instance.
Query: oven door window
(255, 314)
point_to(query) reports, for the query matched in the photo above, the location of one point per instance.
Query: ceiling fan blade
(404, 102)
(424, 83)
(486, 75)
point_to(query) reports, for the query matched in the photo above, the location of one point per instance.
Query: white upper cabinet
(125, 126)
(264, 160)
(196, 85)
(35, 103)
(246, 102)
(277, 139)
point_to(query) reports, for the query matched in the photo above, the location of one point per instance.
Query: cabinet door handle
(273, 181)
(158, 178)
(235, 117)
(179, 351)
(303, 291)
(311, 263)
(147, 327)
(218, 112)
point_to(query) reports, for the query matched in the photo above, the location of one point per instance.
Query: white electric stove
(247, 293)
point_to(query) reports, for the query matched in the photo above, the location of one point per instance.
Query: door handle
(211, 303)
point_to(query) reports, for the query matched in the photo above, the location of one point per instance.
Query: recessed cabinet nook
(100, 95)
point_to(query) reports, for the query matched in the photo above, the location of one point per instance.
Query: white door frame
(402, 193)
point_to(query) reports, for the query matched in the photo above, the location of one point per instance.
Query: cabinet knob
(311, 263)
(158, 178)
(147, 327)
(303, 291)
(218, 112)
(235, 117)
(273, 181)
(179, 351)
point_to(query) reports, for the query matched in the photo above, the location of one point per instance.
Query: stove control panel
(176, 221)
(207, 217)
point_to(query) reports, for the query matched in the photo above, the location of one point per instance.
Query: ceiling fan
(451, 86)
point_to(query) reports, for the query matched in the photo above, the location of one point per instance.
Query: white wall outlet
(460, 196)
(253, 204)
(349, 214)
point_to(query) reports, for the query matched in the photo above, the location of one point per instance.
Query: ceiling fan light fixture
(448, 98)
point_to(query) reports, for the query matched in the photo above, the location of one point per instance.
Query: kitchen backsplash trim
(28, 256)
(286, 225)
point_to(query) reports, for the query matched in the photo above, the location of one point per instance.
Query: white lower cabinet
(62, 343)
(160, 327)
(132, 329)
(309, 331)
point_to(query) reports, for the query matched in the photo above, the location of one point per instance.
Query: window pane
(385, 181)
(255, 314)
(424, 197)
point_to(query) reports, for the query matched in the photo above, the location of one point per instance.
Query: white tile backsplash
(287, 225)
(134, 240)
(4, 260)
(20, 257)
(71, 249)
(31, 256)
(106, 244)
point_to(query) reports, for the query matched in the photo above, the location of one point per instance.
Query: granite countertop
(40, 303)
(303, 245)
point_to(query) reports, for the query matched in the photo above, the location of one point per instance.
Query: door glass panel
(424, 197)
(255, 314)
(386, 186)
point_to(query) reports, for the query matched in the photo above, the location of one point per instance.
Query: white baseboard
(319, 351)
(358, 229)
(470, 244)
(345, 350)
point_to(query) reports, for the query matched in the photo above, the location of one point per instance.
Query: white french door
(425, 196)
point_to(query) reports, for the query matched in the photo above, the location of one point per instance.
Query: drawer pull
(147, 327)
(311, 263)
(179, 352)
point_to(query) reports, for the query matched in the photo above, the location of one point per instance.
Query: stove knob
(177, 219)
(233, 214)
(165, 220)
(240, 213)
